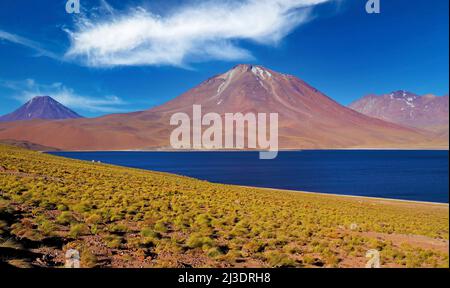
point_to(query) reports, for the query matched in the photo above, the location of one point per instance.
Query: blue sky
(120, 56)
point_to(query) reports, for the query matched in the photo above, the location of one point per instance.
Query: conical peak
(41, 98)
(250, 68)
(40, 107)
(242, 69)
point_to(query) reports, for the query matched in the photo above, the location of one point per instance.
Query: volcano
(40, 107)
(308, 119)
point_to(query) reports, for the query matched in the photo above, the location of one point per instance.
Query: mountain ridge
(308, 119)
(429, 112)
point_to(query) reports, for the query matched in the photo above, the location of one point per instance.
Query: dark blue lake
(408, 175)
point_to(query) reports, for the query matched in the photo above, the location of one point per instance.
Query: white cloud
(194, 32)
(16, 39)
(29, 88)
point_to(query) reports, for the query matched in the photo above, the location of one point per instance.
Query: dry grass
(133, 218)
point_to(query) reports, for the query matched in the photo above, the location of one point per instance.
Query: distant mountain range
(425, 112)
(41, 107)
(307, 118)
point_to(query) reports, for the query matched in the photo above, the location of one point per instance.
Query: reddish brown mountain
(408, 109)
(307, 118)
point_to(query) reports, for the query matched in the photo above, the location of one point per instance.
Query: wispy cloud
(16, 39)
(29, 88)
(199, 31)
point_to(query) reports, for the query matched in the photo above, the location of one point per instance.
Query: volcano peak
(41, 107)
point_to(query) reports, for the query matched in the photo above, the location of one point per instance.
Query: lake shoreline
(256, 151)
(382, 176)
(343, 195)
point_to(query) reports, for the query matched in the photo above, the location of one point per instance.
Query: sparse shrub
(292, 249)
(82, 207)
(332, 260)
(46, 227)
(94, 219)
(214, 252)
(113, 241)
(308, 260)
(147, 242)
(3, 226)
(62, 207)
(77, 230)
(118, 228)
(88, 259)
(117, 216)
(181, 223)
(253, 247)
(232, 256)
(65, 218)
(203, 220)
(150, 233)
(161, 226)
(277, 259)
(196, 240)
